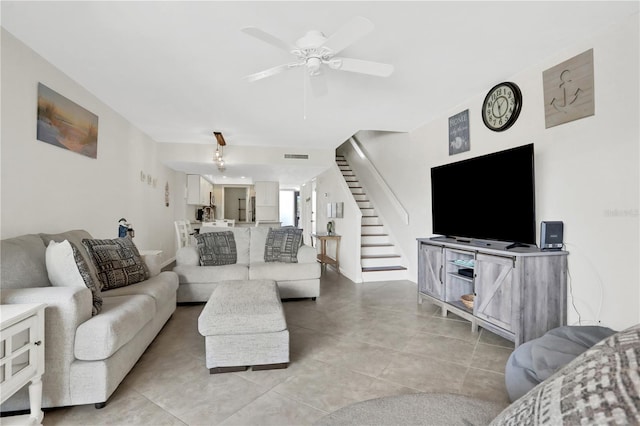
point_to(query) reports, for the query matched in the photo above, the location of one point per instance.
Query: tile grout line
(466, 373)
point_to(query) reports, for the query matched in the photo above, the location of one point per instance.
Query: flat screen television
(491, 197)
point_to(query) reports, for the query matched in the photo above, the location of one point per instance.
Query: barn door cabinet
(520, 293)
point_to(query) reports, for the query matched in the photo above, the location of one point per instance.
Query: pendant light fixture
(220, 143)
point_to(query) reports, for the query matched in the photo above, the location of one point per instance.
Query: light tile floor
(356, 342)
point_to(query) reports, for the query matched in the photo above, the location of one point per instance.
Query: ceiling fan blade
(268, 38)
(318, 84)
(349, 33)
(269, 72)
(364, 67)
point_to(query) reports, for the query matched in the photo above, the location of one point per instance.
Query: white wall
(390, 212)
(331, 188)
(587, 173)
(49, 189)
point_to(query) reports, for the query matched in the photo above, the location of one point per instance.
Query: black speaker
(551, 234)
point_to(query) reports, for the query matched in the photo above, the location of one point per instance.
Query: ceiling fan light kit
(314, 50)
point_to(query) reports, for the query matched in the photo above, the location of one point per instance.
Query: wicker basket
(467, 299)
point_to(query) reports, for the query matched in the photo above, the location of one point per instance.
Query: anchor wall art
(568, 90)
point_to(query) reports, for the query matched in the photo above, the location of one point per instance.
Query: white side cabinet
(22, 357)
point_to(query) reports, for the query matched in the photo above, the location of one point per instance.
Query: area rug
(416, 409)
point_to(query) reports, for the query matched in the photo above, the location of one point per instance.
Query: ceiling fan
(314, 50)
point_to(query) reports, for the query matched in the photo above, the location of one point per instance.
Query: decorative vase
(330, 227)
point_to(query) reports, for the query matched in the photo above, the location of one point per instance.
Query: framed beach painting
(65, 124)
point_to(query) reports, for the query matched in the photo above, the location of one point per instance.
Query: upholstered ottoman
(244, 325)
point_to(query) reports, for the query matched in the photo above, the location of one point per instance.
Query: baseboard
(167, 262)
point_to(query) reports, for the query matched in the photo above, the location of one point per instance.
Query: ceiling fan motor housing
(311, 40)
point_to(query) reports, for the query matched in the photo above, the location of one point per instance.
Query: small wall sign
(459, 133)
(569, 90)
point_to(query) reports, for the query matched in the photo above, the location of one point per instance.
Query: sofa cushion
(538, 359)
(258, 241)
(282, 245)
(600, 386)
(307, 254)
(161, 287)
(122, 317)
(211, 274)
(187, 256)
(75, 237)
(217, 248)
(242, 237)
(67, 268)
(241, 307)
(117, 261)
(23, 262)
(280, 271)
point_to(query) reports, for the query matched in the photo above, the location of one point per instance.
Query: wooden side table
(323, 257)
(22, 357)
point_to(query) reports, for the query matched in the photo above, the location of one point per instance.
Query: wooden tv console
(520, 293)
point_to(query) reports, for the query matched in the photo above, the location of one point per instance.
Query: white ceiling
(174, 69)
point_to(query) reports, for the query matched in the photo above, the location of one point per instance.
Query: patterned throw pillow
(217, 248)
(67, 268)
(600, 386)
(282, 245)
(117, 261)
(91, 284)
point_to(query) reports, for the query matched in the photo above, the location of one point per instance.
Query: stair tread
(379, 256)
(375, 235)
(383, 268)
(377, 245)
(379, 224)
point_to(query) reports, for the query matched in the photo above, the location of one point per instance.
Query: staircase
(379, 257)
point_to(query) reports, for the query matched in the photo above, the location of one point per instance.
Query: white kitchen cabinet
(198, 191)
(267, 194)
(267, 201)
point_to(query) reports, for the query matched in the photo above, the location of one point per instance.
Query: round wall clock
(501, 106)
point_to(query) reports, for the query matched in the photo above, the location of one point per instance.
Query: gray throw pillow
(117, 262)
(217, 248)
(282, 245)
(600, 386)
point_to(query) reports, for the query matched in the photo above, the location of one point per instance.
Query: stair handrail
(397, 205)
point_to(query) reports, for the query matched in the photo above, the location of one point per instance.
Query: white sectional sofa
(295, 280)
(86, 357)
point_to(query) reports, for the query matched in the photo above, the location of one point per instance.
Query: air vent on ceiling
(297, 156)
